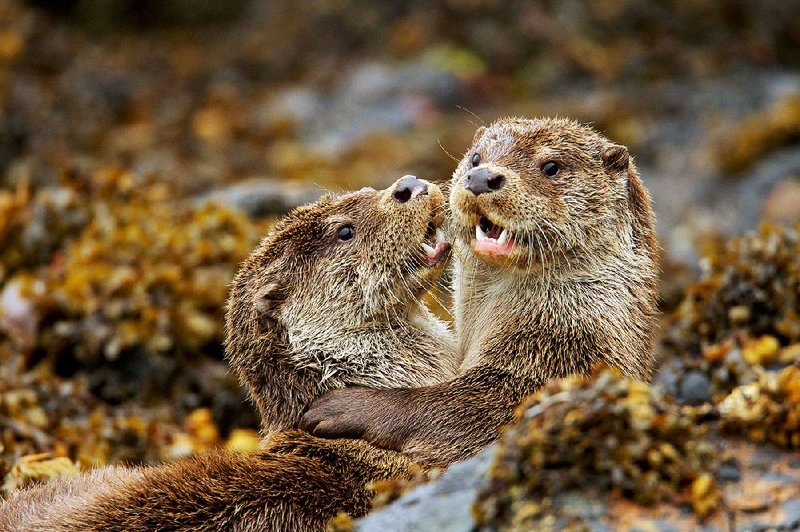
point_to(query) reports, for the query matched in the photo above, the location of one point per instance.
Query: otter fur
(555, 270)
(330, 297)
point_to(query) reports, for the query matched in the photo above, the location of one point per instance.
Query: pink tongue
(493, 248)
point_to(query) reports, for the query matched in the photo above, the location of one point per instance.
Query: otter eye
(345, 233)
(550, 168)
(476, 160)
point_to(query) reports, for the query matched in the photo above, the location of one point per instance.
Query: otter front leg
(434, 425)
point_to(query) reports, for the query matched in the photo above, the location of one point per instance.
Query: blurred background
(145, 146)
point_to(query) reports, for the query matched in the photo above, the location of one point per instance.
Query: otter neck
(584, 304)
(414, 349)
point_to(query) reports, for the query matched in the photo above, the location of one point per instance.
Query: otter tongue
(492, 247)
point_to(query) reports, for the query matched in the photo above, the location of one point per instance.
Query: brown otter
(555, 270)
(330, 297)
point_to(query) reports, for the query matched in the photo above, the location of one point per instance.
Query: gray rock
(377, 97)
(728, 471)
(695, 388)
(263, 196)
(443, 505)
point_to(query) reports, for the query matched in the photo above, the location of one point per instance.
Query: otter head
(558, 218)
(537, 193)
(351, 260)
(331, 280)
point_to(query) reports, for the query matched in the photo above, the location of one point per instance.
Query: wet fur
(581, 290)
(306, 314)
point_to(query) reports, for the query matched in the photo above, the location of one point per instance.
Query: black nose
(408, 188)
(480, 180)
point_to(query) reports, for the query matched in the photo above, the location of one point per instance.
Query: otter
(331, 297)
(555, 270)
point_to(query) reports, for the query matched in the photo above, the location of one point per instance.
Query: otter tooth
(430, 251)
(479, 234)
(503, 237)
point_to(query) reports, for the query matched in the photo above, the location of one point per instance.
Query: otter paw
(338, 414)
(381, 417)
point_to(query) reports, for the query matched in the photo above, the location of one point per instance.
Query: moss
(767, 410)
(122, 299)
(608, 433)
(750, 286)
(744, 313)
(741, 325)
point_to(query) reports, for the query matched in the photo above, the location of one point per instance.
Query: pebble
(695, 388)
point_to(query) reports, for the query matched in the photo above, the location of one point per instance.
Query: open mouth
(434, 246)
(492, 239)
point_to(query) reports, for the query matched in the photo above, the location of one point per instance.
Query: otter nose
(408, 188)
(480, 180)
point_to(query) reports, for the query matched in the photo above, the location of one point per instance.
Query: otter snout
(481, 180)
(408, 188)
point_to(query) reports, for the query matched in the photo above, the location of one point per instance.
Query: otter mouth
(492, 239)
(434, 246)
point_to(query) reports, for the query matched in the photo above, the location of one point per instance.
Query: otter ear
(267, 298)
(616, 158)
(478, 134)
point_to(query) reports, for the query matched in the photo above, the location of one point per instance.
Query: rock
(379, 97)
(262, 196)
(443, 505)
(289, 107)
(695, 388)
(728, 471)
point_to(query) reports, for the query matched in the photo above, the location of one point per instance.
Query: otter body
(555, 271)
(330, 297)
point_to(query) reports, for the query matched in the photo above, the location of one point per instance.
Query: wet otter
(330, 297)
(555, 270)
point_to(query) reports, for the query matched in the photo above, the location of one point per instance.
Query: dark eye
(345, 233)
(550, 168)
(476, 160)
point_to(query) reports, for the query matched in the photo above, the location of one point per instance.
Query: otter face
(537, 192)
(351, 261)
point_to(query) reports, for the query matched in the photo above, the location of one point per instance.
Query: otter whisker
(439, 142)
(473, 114)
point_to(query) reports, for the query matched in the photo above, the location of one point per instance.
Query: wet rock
(259, 197)
(695, 388)
(289, 109)
(443, 505)
(379, 97)
(728, 471)
(736, 206)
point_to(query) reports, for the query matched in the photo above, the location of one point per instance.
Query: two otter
(331, 297)
(555, 270)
